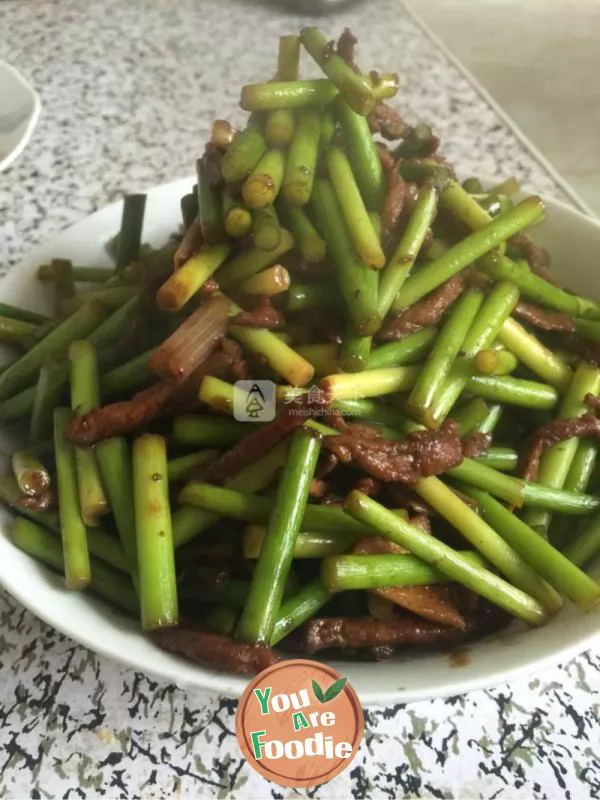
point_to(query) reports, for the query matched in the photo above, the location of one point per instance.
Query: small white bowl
(574, 241)
(19, 111)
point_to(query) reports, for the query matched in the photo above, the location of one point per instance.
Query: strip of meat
(251, 447)
(318, 488)
(118, 419)
(584, 348)
(432, 146)
(327, 463)
(410, 198)
(189, 246)
(345, 46)
(428, 311)
(323, 633)
(432, 602)
(215, 650)
(368, 486)
(398, 205)
(420, 455)
(388, 162)
(393, 203)
(400, 496)
(558, 431)
(476, 444)
(264, 315)
(386, 121)
(375, 545)
(544, 319)
(359, 429)
(237, 368)
(261, 440)
(539, 258)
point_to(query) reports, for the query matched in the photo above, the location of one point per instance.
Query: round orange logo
(299, 723)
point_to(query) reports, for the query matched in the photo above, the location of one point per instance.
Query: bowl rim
(34, 114)
(230, 685)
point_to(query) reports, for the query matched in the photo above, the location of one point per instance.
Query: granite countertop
(128, 92)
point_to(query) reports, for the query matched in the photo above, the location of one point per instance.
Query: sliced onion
(193, 341)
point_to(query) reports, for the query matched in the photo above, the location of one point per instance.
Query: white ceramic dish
(19, 111)
(575, 243)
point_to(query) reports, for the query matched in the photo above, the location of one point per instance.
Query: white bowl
(19, 111)
(575, 243)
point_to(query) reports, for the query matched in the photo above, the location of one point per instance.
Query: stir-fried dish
(347, 407)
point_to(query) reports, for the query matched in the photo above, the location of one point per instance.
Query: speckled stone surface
(128, 91)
